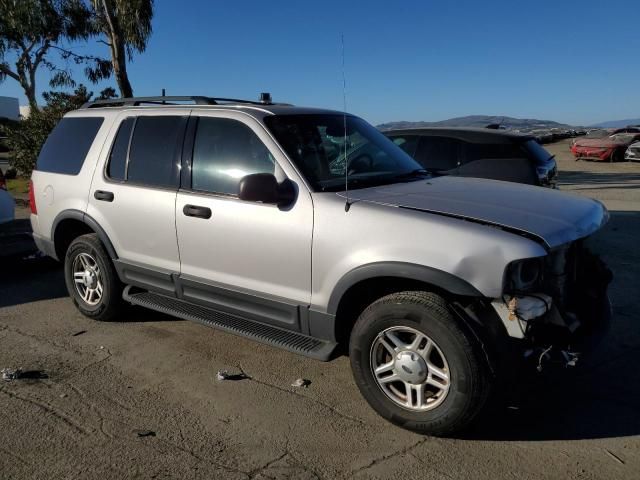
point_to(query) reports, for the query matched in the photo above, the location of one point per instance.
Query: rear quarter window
(68, 144)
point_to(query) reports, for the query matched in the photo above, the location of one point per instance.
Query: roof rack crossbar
(136, 101)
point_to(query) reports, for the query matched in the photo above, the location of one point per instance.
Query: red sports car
(609, 148)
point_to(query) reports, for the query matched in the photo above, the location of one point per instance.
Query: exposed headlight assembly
(524, 275)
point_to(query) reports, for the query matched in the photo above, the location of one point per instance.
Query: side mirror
(263, 187)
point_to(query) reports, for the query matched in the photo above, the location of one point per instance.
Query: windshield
(317, 145)
(623, 137)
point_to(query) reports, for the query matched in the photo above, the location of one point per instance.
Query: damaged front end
(557, 304)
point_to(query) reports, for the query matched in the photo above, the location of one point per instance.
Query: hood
(552, 217)
(604, 142)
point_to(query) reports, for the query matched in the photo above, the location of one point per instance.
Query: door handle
(196, 211)
(104, 196)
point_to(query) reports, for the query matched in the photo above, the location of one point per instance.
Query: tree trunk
(118, 54)
(120, 69)
(29, 89)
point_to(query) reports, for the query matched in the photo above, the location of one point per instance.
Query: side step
(279, 337)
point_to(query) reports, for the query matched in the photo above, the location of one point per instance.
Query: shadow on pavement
(30, 280)
(599, 180)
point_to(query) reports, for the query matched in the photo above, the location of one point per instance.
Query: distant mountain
(618, 123)
(479, 121)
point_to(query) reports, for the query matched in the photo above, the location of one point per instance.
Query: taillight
(3, 183)
(32, 199)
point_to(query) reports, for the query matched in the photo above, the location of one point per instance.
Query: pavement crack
(50, 409)
(93, 364)
(297, 394)
(253, 473)
(383, 458)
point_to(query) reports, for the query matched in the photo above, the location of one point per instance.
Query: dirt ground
(139, 398)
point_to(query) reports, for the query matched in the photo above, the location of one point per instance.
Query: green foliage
(26, 137)
(129, 19)
(31, 31)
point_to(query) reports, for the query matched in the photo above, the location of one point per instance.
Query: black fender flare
(90, 222)
(441, 279)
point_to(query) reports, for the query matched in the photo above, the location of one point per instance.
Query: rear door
(133, 196)
(507, 161)
(246, 257)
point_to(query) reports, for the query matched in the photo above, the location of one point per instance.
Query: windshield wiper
(417, 173)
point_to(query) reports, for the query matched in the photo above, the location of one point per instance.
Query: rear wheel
(91, 279)
(417, 365)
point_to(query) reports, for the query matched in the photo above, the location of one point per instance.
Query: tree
(126, 24)
(30, 30)
(26, 137)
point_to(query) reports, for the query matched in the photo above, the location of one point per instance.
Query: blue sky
(570, 61)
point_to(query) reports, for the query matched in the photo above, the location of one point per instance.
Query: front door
(250, 258)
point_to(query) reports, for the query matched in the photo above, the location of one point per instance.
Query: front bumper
(573, 321)
(597, 154)
(632, 155)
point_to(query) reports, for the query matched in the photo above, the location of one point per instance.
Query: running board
(279, 337)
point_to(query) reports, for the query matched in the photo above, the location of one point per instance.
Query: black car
(479, 152)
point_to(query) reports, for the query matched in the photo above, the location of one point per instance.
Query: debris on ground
(145, 433)
(225, 375)
(78, 333)
(301, 383)
(9, 374)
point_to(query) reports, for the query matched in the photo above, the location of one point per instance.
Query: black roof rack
(265, 99)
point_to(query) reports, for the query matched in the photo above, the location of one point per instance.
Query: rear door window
(154, 154)
(224, 151)
(437, 153)
(117, 166)
(68, 144)
(484, 151)
(408, 143)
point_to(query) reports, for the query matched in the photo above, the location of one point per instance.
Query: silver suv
(308, 229)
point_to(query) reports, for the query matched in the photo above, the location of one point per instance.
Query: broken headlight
(524, 275)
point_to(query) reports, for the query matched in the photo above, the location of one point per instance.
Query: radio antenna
(347, 205)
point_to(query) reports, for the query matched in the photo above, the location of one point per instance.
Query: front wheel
(616, 156)
(91, 279)
(419, 366)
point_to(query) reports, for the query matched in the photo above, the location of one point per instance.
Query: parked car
(7, 205)
(629, 129)
(15, 235)
(307, 228)
(611, 147)
(633, 152)
(479, 152)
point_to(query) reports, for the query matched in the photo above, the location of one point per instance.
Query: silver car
(308, 229)
(633, 152)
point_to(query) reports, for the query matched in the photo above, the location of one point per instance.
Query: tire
(470, 382)
(86, 253)
(615, 156)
